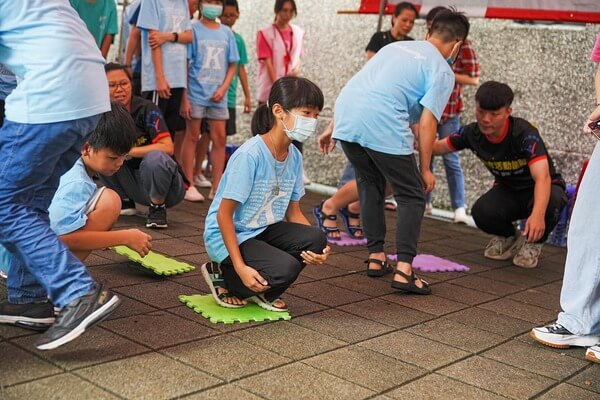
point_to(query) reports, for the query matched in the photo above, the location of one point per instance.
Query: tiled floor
(351, 337)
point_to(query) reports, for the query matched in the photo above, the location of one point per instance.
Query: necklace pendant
(276, 191)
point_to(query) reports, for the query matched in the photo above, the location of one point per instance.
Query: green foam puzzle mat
(156, 262)
(206, 306)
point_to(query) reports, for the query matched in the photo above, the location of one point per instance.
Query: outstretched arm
(536, 225)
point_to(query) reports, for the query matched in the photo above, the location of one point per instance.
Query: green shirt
(100, 17)
(241, 46)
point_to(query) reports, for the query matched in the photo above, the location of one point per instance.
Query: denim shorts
(199, 112)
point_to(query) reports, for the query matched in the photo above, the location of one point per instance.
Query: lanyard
(287, 59)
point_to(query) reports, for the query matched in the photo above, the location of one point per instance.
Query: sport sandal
(211, 272)
(320, 216)
(410, 285)
(262, 302)
(386, 268)
(356, 231)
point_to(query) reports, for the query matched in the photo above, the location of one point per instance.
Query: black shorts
(170, 108)
(230, 126)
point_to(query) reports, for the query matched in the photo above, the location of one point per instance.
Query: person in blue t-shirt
(405, 83)
(256, 254)
(213, 58)
(54, 107)
(164, 66)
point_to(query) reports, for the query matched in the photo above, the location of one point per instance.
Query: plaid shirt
(467, 64)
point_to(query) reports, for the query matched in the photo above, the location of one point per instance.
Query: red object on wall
(586, 11)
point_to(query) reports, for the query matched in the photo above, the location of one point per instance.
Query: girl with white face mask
(257, 237)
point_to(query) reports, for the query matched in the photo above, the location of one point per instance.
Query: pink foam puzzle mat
(347, 240)
(429, 263)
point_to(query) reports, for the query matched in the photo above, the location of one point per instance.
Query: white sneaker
(501, 248)
(593, 353)
(528, 254)
(460, 216)
(202, 182)
(559, 337)
(428, 208)
(192, 194)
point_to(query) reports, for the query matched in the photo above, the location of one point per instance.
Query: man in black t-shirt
(526, 184)
(150, 176)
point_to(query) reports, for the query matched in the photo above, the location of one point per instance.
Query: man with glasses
(150, 176)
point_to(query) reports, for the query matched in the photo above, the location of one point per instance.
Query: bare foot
(233, 300)
(407, 269)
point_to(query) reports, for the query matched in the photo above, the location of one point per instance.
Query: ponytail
(262, 120)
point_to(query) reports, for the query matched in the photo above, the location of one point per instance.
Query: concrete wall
(548, 67)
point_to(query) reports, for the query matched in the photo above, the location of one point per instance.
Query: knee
(316, 240)
(109, 204)
(480, 212)
(287, 272)
(156, 159)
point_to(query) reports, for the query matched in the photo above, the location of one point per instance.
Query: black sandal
(211, 272)
(386, 268)
(352, 229)
(410, 285)
(320, 216)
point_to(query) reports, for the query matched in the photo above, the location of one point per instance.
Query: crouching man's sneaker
(77, 316)
(157, 216)
(557, 336)
(36, 316)
(593, 353)
(501, 248)
(528, 254)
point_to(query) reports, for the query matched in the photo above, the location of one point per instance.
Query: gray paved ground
(351, 337)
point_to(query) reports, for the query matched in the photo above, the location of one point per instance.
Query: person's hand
(324, 141)
(295, 72)
(185, 110)
(247, 105)
(219, 94)
(162, 88)
(252, 279)
(535, 227)
(428, 180)
(312, 258)
(594, 116)
(156, 39)
(138, 241)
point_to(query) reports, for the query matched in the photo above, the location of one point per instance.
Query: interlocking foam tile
(156, 262)
(429, 263)
(347, 240)
(209, 309)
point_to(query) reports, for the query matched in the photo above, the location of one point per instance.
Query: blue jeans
(32, 159)
(454, 173)
(580, 294)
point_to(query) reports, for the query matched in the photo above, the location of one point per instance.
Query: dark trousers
(496, 210)
(170, 108)
(275, 254)
(157, 177)
(372, 170)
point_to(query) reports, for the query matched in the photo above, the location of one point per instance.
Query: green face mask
(212, 11)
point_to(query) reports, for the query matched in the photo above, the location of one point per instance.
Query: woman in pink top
(279, 48)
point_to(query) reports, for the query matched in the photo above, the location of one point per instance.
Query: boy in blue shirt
(405, 83)
(213, 58)
(81, 213)
(56, 104)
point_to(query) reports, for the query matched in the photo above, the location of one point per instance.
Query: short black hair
(280, 3)
(405, 5)
(115, 131)
(433, 12)
(493, 95)
(289, 92)
(232, 3)
(450, 25)
(117, 67)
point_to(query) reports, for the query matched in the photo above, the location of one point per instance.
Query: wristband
(176, 37)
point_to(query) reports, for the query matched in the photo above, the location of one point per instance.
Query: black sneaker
(36, 316)
(127, 207)
(77, 316)
(157, 216)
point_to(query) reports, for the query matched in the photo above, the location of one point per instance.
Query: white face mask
(304, 127)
